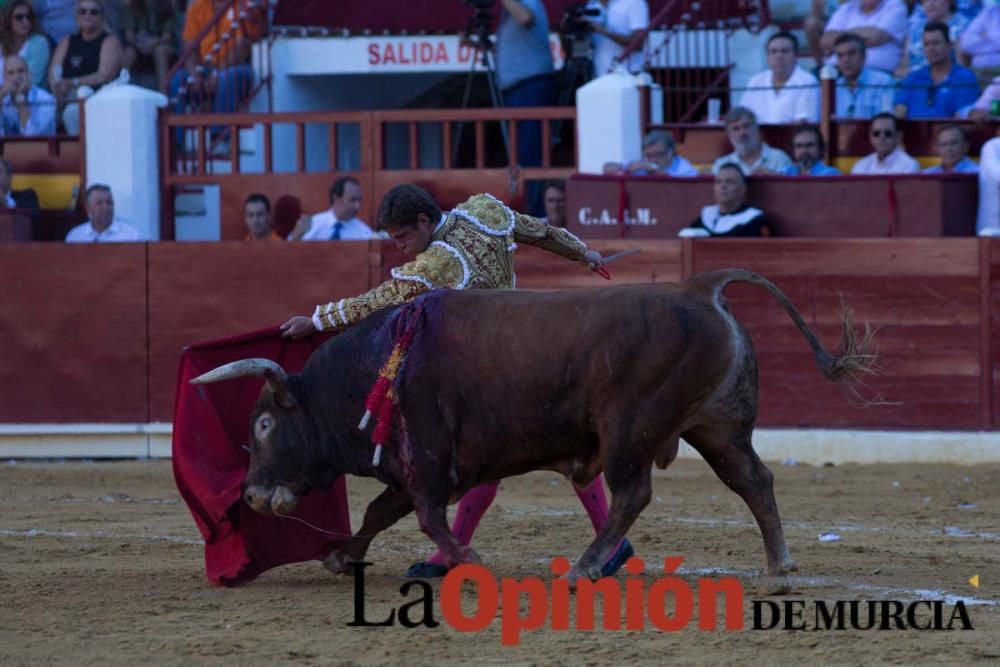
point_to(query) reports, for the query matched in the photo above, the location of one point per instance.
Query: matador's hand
(299, 326)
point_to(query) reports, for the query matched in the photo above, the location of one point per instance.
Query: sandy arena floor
(101, 563)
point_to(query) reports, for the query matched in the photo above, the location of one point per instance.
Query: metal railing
(233, 85)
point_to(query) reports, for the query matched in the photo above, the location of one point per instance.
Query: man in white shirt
(659, 157)
(623, 21)
(27, 110)
(340, 222)
(881, 23)
(103, 226)
(783, 93)
(750, 154)
(889, 157)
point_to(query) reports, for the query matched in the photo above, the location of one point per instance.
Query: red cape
(211, 425)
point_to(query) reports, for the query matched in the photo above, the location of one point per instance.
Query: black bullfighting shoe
(618, 558)
(425, 570)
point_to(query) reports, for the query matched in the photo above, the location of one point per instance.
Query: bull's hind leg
(728, 450)
(386, 509)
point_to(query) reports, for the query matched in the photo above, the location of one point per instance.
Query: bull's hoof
(788, 566)
(774, 586)
(618, 558)
(425, 570)
(338, 563)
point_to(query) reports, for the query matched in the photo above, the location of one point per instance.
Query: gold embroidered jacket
(471, 248)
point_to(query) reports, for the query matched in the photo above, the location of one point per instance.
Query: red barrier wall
(93, 333)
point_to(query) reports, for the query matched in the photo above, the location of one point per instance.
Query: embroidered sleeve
(554, 239)
(438, 266)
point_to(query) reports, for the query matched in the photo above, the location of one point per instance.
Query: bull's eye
(265, 423)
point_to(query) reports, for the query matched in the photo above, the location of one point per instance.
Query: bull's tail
(855, 358)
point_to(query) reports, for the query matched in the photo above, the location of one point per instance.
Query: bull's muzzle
(279, 501)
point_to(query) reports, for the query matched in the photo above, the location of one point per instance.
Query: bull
(500, 383)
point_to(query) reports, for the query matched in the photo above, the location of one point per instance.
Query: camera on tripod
(576, 27)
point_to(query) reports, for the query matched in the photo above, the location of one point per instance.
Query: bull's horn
(273, 374)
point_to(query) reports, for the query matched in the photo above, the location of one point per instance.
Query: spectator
(26, 199)
(27, 110)
(659, 156)
(524, 69)
(103, 226)
(881, 23)
(623, 21)
(889, 157)
(928, 11)
(783, 93)
(862, 91)
(988, 215)
(257, 216)
(749, 153)
(222, 76)
(555, 203)
(19, 35)
(807, 150)
(730, 215)
(941, 88)
(980, 40)
(56, 18)
(813, 24)
(340, 222)
(83, 61)
(953, 147)
(981, 109)
(151, 28)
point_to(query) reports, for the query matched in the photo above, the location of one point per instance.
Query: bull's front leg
(385, 510)
(432, 515)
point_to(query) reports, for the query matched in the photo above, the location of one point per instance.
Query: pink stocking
(471, 509)
(595, 502)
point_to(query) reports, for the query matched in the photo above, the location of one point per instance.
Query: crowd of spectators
(71, 48)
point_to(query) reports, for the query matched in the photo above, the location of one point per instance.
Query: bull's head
(283, 439)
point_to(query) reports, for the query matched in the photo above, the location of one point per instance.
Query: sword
(603, 272)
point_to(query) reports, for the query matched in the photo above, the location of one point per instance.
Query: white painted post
(122, 152)
(608, 121)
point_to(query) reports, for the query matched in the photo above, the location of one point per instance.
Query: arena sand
(100, 563)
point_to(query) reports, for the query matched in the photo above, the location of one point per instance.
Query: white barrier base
(85, 441)
(809, 446)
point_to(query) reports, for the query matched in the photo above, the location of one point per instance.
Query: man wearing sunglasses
(942, 87)
(889, 157)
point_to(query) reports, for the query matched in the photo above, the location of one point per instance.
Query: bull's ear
(273, 374)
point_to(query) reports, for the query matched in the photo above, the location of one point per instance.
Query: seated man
(982, 109)
(340, 222)
(980, 41)
(27, 111)
(807, 150)
(218, 69)
(942, 87)
(257, 216)
(953, 147)
(862, 91)
(783, 93)
(659, 156)
(889, 157)
(881, 23)
(26, 199)
(554, 198)
(103, 226)
(730, 215)
(750, 154)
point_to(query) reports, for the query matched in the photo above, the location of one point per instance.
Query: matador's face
(412, 240)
